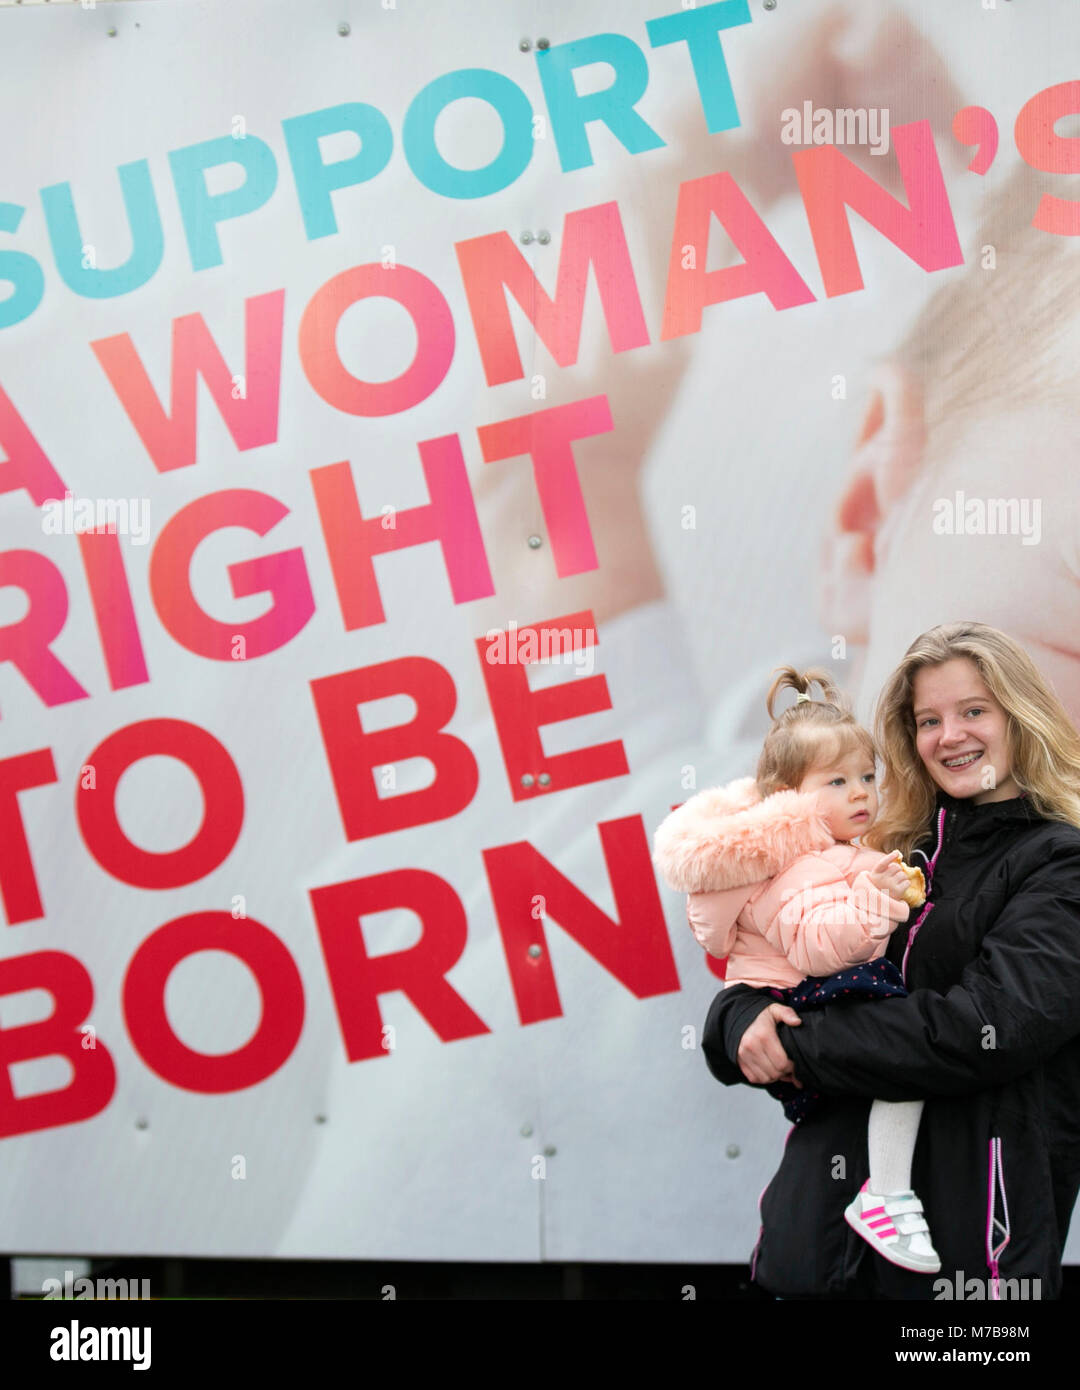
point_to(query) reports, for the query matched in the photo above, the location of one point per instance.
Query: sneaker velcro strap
(909, 1223)
(895, 1206)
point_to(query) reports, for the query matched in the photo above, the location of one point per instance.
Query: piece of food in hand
(916, 889)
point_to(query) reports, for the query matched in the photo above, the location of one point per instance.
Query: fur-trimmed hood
(729, 837)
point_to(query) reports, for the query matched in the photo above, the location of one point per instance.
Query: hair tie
(802, 695)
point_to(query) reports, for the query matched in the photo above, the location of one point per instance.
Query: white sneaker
(895, 1226)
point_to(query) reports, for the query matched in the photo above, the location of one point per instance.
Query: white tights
(894, 1126)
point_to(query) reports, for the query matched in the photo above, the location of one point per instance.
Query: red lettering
(492, 264)
(358, 979)
(546, 436)
(635, 947)
(353, 754)
(27, 465)
(275, 973)
(352, 541)
(830, 183)
(250, 415)
(223, 797)
(91, 1088)
(520, 713)
(26, 643)
(283, 575)
(1042, 148)
(114, 611)
(18, 884)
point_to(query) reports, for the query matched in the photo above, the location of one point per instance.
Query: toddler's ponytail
(808, 732)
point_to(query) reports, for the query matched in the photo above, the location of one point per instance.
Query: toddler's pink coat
(769, 886)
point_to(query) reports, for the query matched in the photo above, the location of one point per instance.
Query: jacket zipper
(995, 1183)
(928, 904)
(995, 1177)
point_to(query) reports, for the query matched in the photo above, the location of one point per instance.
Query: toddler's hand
(889, 877)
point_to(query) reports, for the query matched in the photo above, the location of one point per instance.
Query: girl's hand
(761, 1056)
(889, 877)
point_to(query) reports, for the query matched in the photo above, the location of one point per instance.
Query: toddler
(777, 886)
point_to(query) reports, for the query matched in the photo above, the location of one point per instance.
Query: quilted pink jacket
(770, 888)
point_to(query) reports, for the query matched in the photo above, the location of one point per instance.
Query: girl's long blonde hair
(808, 733)
(1043, 744)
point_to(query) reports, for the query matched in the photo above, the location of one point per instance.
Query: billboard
(423, 426)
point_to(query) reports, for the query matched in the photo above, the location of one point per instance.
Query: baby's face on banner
(978, 523)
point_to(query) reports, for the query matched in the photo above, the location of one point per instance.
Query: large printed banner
(423, 427)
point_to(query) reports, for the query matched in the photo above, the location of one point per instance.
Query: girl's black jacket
(989, 1036)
